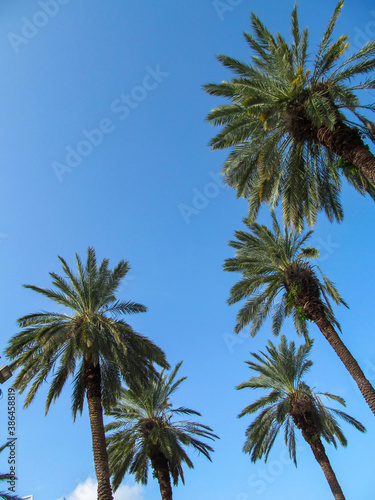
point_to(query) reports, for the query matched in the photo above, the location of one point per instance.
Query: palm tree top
(92, 332)
(278, 103)
(266, 258)
(92, 290)
(145, 426)
(290, 402)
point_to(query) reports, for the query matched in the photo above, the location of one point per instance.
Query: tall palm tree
(145, 433)
(287, 125)
(291, 403)
(274, 265)
(90, 343)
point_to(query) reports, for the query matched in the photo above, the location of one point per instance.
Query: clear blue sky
(129, 197)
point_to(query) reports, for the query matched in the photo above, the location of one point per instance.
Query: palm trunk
(304, 417)
(344, 354)
(94, 399)
(308, 297)
(347, 143)
(160, 465)
(322, 459)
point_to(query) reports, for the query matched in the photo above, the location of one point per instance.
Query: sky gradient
(104, 144)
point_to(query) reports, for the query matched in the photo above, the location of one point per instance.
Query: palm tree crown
(287, 126)
(92, 331)
(144, 431)
(289, 404)
(273, 266)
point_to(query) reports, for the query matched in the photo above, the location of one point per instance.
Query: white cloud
(88, 491)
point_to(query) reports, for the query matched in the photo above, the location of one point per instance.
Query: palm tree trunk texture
(347, 144)
(346, 357)
(94, 399)
(303, 416)
(308, 297)
(160, 465)
(321, 457)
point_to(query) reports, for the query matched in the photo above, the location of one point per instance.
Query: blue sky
(128, 75)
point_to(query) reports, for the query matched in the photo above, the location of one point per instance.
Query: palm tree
(91, 344)
(291, 403)
(145, 433)
(286, 122)
(274, 265)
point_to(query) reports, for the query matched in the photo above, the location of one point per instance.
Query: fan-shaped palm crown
(291, 403)
(144, 431)
(287, 125)
(274, 266)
